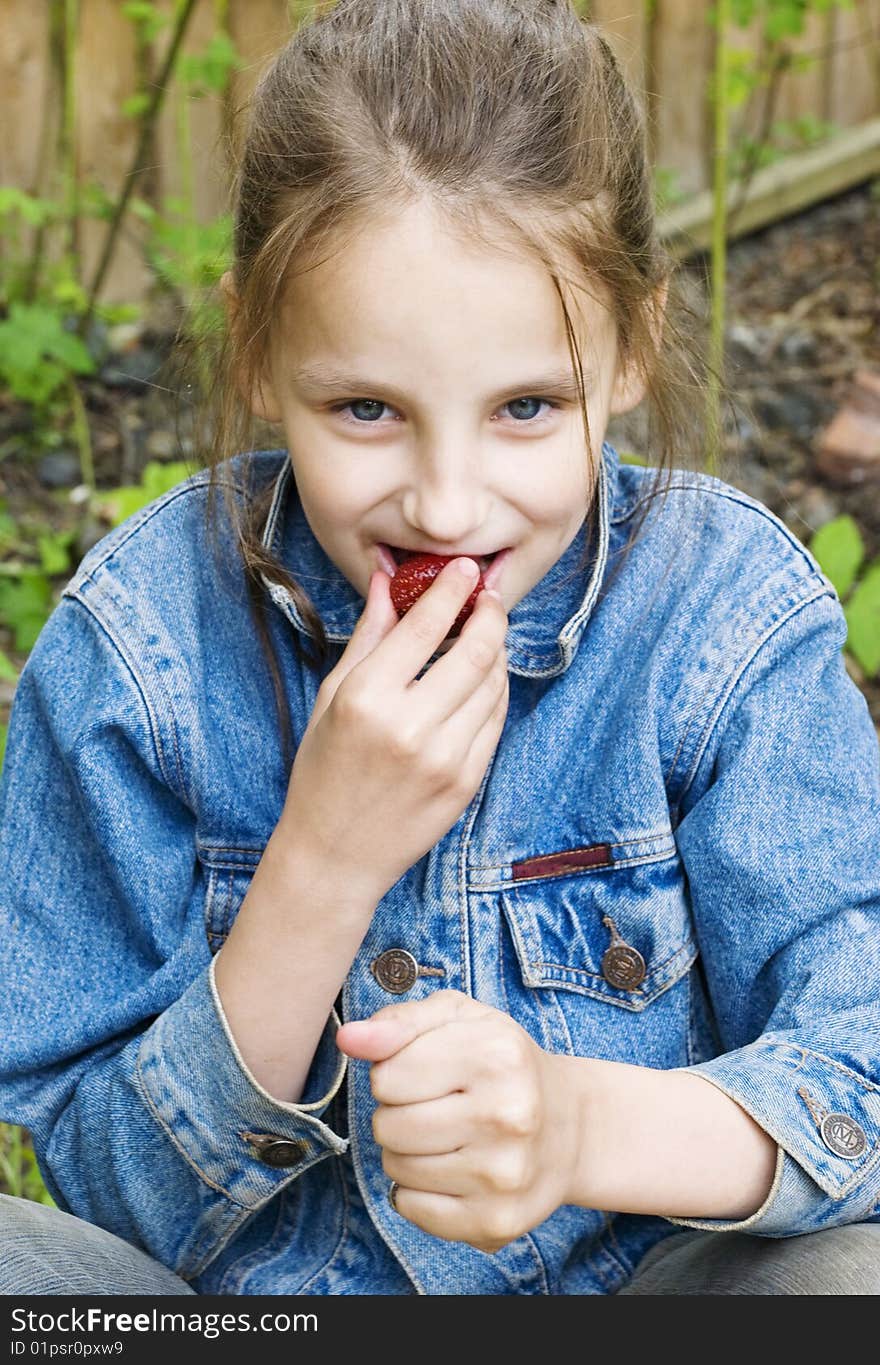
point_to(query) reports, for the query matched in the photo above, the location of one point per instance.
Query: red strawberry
(416, 575)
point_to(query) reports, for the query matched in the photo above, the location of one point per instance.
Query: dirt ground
(803, 317)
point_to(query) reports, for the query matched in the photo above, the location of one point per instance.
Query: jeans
(45, 1251)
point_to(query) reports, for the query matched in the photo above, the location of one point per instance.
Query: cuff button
(843, 1136)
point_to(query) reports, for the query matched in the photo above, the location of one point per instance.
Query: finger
(449, 1173)
(435, 1064)
(459, 674)
(485, 741)
(462, 727)
(392, 1028)
(449, 1217)
(375, 622)
(427, 623)
(428, 1128)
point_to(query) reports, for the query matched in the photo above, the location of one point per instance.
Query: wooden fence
(666, 47)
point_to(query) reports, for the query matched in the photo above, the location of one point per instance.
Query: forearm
(286, 957)
(665, 1143)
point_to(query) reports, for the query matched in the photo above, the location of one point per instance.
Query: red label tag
(553, 864)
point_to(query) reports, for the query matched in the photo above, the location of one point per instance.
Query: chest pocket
(228, 874)
(595, 962)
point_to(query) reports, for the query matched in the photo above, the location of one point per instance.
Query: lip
(389, 564)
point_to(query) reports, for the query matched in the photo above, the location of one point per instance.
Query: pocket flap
(564, 925)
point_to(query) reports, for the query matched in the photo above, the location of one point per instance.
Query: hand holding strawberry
(387, 764)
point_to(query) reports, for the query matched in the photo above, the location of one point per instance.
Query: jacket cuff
(228, 1128)
(788, 1090)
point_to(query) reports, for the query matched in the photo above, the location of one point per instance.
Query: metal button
(623, 966)
(843, 1136)
(281, 1152)
(396, 970)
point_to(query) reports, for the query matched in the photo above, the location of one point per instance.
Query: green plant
(19, 1173)
(38, 354)
(119, 503)
(840, 552)
(738, 73)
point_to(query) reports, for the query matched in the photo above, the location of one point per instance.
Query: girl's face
(426, 393)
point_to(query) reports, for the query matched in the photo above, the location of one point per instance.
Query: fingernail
(493, 592)
(469, 567)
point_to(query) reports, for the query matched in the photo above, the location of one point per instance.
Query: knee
(844, 1260)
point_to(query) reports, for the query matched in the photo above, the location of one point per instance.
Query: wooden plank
(624, 26)
(26, 95)
(855, 87)
(106, 138)
(205, 116)
(683, 63)
(789, 186)
(259, 29)
(801, 91)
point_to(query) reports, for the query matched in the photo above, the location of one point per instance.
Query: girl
(592, 882)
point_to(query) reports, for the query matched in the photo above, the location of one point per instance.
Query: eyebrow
(331, 379)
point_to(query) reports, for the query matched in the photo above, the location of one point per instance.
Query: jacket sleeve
(780, 840)
(114, 1051)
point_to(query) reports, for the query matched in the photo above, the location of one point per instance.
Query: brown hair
(506, 114)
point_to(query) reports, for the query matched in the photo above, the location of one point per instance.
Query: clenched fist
(474, 1118)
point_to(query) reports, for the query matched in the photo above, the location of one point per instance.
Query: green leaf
(3, 729)
(36, 353)
(839, 548)
(627, 457)
(35, 212)
(158, 478)
(136, 105)
(8, 671)
(862, 614)
(210, 69)
(55, 552)
(25, 607)
(146, 16)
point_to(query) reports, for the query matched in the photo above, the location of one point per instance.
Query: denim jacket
(673, 861)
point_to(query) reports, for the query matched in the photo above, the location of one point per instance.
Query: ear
(261, 398)
(629, 386)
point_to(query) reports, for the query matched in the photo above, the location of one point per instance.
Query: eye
(517, 403)
(372, 405)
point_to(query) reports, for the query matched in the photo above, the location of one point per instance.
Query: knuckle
(502, 1052)
(378, 1084)
(480, 653)
(378, 1124)
(518, 1116)
(405, 745)
(437, 765)
(424, 625)
(352, 702)
(507, 1174)
(497, 1227)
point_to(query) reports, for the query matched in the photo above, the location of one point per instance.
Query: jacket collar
(545, 627)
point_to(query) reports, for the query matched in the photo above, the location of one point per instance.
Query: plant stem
(719, 244)
(148, 124)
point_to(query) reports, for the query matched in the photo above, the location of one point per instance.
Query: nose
(447, 502)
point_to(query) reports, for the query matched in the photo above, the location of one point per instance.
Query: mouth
(490, 565)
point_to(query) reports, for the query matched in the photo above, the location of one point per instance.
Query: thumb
(372, 1040)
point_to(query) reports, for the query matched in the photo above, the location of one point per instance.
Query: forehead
(415, 289)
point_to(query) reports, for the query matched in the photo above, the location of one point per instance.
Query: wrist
(574, 1121)
(292, 862)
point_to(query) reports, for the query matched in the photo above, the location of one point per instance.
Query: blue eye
(364, 403)
(518, 402)
(374, 408)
